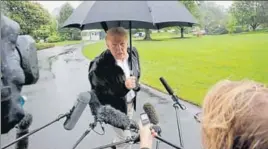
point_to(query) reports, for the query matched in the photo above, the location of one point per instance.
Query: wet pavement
(63, 75)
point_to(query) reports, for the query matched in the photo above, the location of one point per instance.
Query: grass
(192, 65)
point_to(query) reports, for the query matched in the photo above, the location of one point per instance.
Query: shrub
(54, 38)
(41, 46)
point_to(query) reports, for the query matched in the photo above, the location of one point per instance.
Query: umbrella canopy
(129, 14)
(142, 14)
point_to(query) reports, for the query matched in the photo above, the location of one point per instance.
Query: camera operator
(234, 116)
(19, 67)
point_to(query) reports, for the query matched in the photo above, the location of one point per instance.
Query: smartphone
(144, 119)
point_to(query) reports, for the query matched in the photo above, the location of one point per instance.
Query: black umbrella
(129, 14)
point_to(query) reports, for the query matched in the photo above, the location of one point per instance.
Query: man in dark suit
(111, 78)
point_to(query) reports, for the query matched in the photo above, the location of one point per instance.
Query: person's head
(235, 116)
(117, 42)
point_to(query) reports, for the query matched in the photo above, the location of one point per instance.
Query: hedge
(41, 46)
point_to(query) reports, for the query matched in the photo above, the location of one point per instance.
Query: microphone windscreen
(77, 110)
(116, 118)
(150, 111)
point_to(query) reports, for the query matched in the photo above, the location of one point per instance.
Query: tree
(193, 7)
(231, 24)
(252, 13)
(53, 27)
(67, 33)
(213, 18)
(147, 35)
(31, 16)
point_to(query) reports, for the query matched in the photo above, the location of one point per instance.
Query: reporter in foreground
(234, 116)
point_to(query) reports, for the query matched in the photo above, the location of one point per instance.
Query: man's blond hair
(117, 31)
(235, 115)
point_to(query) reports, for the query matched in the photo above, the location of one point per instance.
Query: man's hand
(130, 82)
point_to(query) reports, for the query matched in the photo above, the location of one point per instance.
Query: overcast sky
(51, 5)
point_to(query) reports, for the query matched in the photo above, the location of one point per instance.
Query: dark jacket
(108, 79)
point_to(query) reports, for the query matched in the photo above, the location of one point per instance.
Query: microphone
(170, 91)
(153, 117)
(151, 112)
(95, 105)
(168, 88)
(77, 110)
(116, 118)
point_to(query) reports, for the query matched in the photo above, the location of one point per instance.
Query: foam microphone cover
(116, 118)
(150, 111)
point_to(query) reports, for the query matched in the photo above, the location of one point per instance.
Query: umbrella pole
(130, 46)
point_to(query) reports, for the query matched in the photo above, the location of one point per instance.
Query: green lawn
(192, 65)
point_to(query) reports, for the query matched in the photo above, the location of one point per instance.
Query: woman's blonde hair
(235, 116)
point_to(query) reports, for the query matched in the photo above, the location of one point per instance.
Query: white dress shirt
(124, 65)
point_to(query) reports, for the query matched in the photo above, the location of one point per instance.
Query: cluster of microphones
(109, 115)
(102, 114)
(105, 113)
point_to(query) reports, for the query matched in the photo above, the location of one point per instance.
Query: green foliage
(53, 26)
(192, 6)
(213, 18)
(36, 21)
(67, 33)
(65, 11)
(252, 13)
(43, 32)
(54, 38)
(31, 16)
(41, 46)
(231, 24)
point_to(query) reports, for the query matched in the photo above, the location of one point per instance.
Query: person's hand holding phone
(146, 138)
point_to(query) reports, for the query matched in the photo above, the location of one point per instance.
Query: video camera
(19, 67)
